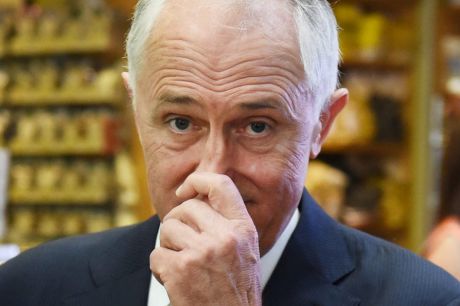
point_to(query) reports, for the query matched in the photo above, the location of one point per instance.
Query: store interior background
(70, 162)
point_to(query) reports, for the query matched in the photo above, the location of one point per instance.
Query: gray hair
(317, 34)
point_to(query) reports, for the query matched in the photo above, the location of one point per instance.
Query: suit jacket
(324, 263)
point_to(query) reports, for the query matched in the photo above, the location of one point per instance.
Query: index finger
(220, 190)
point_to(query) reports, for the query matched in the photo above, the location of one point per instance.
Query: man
(231, 100)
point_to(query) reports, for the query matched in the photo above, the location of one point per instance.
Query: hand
(209, 250)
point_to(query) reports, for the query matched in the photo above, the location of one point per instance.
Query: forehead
(220, 30)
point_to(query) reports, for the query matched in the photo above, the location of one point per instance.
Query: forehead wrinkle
(261, 85)
(236, 74)
(283, 78)
(222, 85)
(273, 82)
(217, 63)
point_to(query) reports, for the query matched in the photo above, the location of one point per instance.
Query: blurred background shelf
(65, 120)
(377, 171)
(377, 149)
(379, 65)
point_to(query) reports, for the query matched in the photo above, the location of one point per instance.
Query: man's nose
(216, 156)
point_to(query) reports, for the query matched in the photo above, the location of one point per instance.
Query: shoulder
(400, 276)
(49, 269)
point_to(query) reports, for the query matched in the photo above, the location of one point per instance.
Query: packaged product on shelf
(327, 185)
(73, 80)
(46, 79)
(22, 183)
(24, 39)
(128, 191)
(125, 216)
(48, 32)
(22, 83)
(370, 37)
(5, 119)
(347, 16)
(108, 83)
(362, 207)
(4, 79)
(373, 36)
(5, 25)
(98, 183)
(71, 224)
(96, 222)
(61, 184)
(71, 185)
(356, 124)
(22, 225)
(393, 204)
(451, 46)
(93, 137)
(48, 225)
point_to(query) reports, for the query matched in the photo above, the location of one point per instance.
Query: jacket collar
(315, 258)
(121, 271)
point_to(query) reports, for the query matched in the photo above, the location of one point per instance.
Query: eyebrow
(263, 104)
(177, 99)
(169, 98)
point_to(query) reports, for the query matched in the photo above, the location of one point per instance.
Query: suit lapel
(121, 272)
(315, 258)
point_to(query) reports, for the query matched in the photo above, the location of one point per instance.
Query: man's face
(215, 98)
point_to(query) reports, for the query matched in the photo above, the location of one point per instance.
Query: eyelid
(171, 118)
(269, 127)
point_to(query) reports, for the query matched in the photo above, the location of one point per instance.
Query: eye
(257, 128)
(180, 125)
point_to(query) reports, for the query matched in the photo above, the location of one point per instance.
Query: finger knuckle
(188, 263)
(229, 242)
(208, 252)
(224, 181)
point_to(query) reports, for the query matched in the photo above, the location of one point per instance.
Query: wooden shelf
(379, 65)
(380, 149)
(390, 5)
(38, 50)
(59, 205)
(69, 153)
(57, 99)
(453, 9)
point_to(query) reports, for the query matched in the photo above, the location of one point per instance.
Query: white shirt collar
(159, 297)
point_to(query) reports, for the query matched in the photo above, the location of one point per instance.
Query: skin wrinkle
(218, 75)
(226, 80)
(174, 73)
(211, 62)
(300, 90)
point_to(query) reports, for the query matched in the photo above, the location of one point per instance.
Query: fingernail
(178, 190)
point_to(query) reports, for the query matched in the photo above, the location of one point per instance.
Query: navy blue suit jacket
(324, 264)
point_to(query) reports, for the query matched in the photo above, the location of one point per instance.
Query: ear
(125, 77)
(338, 101)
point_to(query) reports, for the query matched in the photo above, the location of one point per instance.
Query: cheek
(166, 170)
(285, 166)
(279, 180)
